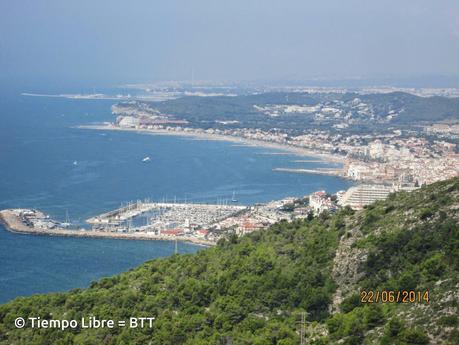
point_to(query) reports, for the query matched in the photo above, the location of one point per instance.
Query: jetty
(16, 220)
(157, 215)
(140, 220)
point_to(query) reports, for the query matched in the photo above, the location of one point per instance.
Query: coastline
(320, 171)
(239, 141)
(13, 224)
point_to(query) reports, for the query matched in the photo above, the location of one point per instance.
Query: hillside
(252, 290)
(371, 110)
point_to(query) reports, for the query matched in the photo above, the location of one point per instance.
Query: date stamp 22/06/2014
(394, 296)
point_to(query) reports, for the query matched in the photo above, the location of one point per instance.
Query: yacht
(233, 199)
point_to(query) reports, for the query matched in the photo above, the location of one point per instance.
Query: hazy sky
(227, 40)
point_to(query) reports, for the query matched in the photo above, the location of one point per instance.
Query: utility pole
(303, 340)
(226, 340)
(302, 331)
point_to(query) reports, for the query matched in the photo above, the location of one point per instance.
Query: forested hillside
(252, 290)
(409, 109)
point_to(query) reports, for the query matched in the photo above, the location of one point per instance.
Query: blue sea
(48, 164)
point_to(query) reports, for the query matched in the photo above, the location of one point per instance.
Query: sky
(145, 40)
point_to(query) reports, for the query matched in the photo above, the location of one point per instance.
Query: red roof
(249, 225)
(172, 232)
(320, 193)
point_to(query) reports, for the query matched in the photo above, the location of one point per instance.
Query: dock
(13, 222)
(156, 216)
(140, 220)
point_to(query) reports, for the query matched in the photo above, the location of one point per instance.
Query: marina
(157, 218)
(13, 221)
(137, 220)
(72, 182)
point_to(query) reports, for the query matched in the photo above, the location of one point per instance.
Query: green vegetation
(251, 290)
(202, 112)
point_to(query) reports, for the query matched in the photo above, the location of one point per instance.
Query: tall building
(359, 196)
(377, 149)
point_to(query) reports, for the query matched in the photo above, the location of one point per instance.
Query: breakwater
(13, 223)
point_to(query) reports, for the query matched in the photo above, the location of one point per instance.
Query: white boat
(146, 159)
(67, 223)
(75, 163)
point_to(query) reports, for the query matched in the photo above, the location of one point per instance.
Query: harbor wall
(13, 224)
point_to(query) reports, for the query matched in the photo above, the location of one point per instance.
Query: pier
(13, 222)
(156, 217)
(141, 220)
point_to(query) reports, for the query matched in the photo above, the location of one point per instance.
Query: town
(360, 136)
(193, 222)
(401, 156)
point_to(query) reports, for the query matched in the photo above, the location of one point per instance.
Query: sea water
(49, 164)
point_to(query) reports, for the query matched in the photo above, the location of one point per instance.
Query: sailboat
(67, 223)
(233, 199)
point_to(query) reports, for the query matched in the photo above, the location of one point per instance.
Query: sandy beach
(238, 141)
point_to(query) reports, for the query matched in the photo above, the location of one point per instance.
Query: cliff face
(252, 290)
(402, 215)
(409, 242)
(347, 266)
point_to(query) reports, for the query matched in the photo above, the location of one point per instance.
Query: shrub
(448, 321)
(415, 337)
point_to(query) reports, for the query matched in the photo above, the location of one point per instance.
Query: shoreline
(238, 141)
(13, 224)
(319, 171)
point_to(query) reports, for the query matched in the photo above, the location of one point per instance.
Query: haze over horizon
(239, 40)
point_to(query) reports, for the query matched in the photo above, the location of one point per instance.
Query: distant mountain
(252, 290)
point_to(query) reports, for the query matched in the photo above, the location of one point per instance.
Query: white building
(128, 121)
(358, 196)
(358, 171)
(319, 202)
